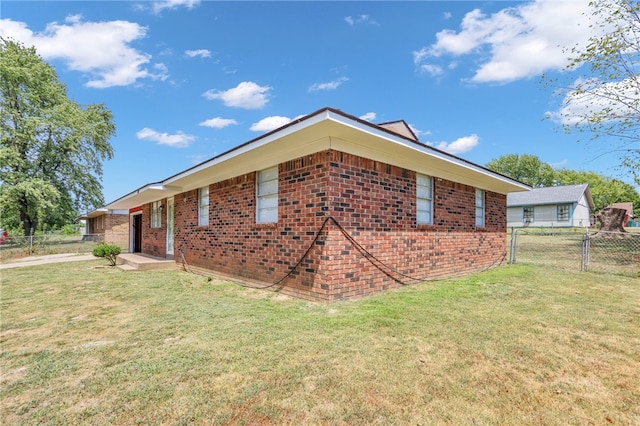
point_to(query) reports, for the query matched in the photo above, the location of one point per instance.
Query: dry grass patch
(515, 345)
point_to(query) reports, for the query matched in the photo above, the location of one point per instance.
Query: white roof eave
(327, 129)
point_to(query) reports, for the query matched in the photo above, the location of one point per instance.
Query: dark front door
(137, 233)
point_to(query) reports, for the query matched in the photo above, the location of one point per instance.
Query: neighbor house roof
(551, 195)
(325, 129)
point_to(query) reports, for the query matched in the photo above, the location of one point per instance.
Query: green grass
(516, 345)
(564, 249)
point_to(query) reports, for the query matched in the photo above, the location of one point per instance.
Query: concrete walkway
(43, 260)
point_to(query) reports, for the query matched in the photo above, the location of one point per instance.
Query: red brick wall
(154, 240)
(117, 230)
(374, 204)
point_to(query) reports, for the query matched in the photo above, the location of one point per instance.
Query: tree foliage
(604, 101)
(604, 190)
(51, 148)
(524, 168)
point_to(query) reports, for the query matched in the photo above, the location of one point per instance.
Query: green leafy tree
(604, 190)
(525, 168)
(604, 101)
(51, 148)
(530, 170)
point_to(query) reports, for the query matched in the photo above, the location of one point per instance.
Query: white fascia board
(93, 213)
(143, 195)
(162, 187)
(249, 146)
(429, 151)
(172, 185)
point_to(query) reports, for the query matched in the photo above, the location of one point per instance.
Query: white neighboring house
(556, 206)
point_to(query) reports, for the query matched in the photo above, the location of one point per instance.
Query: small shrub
(108, 251)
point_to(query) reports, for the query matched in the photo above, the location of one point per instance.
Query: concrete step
(143, 262)
(126, 267)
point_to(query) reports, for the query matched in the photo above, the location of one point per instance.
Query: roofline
(326, 113)
(586, 192)
(135, 192)
(99, 212)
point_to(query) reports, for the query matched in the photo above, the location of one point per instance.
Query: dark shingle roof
(550, 195)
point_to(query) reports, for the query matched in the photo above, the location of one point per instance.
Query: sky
(187, 80)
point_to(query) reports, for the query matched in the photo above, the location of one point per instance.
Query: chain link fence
(577, 250)
(20, 246)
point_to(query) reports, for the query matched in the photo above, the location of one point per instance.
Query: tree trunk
(611, 220)
(29, 224)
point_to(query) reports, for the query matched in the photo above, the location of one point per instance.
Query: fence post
(512, 253)
(30, 245)
(584, 258)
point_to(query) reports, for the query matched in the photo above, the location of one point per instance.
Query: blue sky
(187, 79)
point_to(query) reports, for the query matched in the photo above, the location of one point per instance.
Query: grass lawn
(517, 345)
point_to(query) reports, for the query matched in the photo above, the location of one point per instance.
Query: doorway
(136, 233)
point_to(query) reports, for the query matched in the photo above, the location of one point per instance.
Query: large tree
(533, 171)
(604, 190)
(51, 148)
(526, 168)
(603, 100)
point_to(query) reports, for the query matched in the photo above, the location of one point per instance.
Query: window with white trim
(424, 199)
(527, 214)
(480, 203)
(156, 220)
(563, 212)
(267, 195)
(203, 206)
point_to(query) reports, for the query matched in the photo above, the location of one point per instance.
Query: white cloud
(370, 116)
(460, 145)
(159, 6)
(202, 53)
(433, 70)
(270, 123)
(597, 99)
(200, 158)
(332, 85)
(100, 50)
(418, 132)
(218, 122)
(247, 95)
(360, 19)
(162, 72)
(178, 140)
(516, 42)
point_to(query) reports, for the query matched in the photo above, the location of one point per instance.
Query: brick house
(109, 226)
(327, 207)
